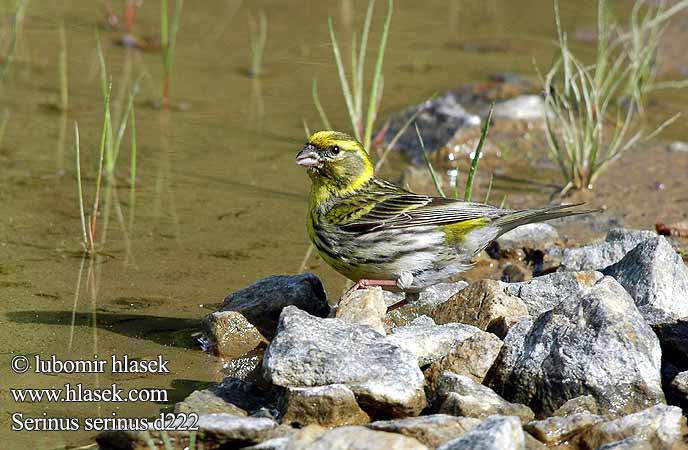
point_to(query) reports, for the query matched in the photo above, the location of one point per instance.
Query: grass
(259, 35)
(62, 67)
(20, 11)
(168, 43)
(362, 121)
(587, 125)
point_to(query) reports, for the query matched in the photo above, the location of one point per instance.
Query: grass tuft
(168, 43)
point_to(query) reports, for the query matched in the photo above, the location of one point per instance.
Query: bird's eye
(335, 150)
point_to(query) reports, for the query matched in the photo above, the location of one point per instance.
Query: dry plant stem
(106, 125)
(78, 186)
(433, 174)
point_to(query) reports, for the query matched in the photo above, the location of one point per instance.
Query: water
(219, 201)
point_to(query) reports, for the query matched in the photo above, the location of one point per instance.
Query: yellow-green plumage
(368, 228)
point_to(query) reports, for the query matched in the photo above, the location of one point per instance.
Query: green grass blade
(433, 174)
(80, 191)
(468, 192)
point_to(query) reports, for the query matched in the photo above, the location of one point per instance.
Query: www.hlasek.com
(79, 393)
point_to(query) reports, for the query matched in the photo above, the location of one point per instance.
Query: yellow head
(336, 163)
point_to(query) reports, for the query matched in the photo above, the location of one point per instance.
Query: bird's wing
(389, 207)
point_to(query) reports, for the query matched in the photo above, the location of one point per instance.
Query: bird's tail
(515, 219)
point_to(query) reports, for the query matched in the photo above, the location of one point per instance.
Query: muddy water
(218, 200)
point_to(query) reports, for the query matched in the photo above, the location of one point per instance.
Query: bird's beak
(308, 157)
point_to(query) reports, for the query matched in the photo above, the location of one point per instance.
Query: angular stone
(618, 242)
(472, 357)
(494, 433)
(278, 443)
(230, 334)
(680, 383)
(360, 438)
(555, 430)
(523, 107)
(427, 300)
(309, 351)
(226, 429)
(657, 279)
(207, 402)
(595, 342)
(543, 293)
(364, 306)
(659, 425)
(429, 343)
(532, 236)
(432, 430)
(459, 395)
(581, 404)
(262, 302)
(483, 304)
(631, 443)
(329, 406)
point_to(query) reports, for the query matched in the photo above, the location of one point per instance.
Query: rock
(680, 383)
(555, 430)
(542, 293)
(533, 444)
(226, 429)
(494, 433)
(364, 306)
(207, 402)
(618, 242)
(244, 367)
(330, 406)
(262, 302)
(631, 443)
(678, 147)
(309, 351)
(594, 342)
(483, 304)
(360, 438)
(430, 342)
(657, 279)
(472, 357)
(438, 120)
(459, 395)
(659, 425)
(533, 235)
(278, 443)
(582, 404)
(427, 300)
(515, 272)
(231, 335)
(432, 430)
(523, 107)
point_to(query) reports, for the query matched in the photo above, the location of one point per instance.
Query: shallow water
(219, 201)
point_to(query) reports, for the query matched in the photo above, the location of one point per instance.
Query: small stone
(226, 429)
(599, 256)
(459, 395)
(659, 425)
(483, 304)
(429, 343)
(364, 306)
(329, 406)
(231, 335)
(631, 443)
(533, 236)
(523, 107)
(680, 383)
(432, 430)
(543, 293)
(555, 430)
(207, 402)
(309, 351)
(678, 147)
(359, 438)
(427, 300)
(262, 302)
(278, 443)
(494, 433)
(581, 404)
(472, 357)
(513, 273)
(657, 279)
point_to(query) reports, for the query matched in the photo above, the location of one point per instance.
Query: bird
(377, 234)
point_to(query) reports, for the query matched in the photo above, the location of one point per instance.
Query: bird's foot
(365, 283)
(410, 297)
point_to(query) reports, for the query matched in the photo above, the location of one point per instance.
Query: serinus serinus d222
(376, 233)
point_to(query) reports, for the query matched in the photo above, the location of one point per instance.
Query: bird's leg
(364, 283)
(410, 297)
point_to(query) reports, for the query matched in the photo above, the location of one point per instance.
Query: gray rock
(459, 395)
(595, 342)
(364, 306)
(523, 107)
(631, 443)
(232, 396)
(207, 402)
(230, 334)
(659, 425)
(243, 367)
(432, 431)
(262, 302)
(226, 429)
(618, 242)
(657, 279)
(429, 343)
(472, 357)
(308, 351)
(543, 293)
(360, 438)
(329, 406)
(494, 433)
(555, 430)
(278, 443)
(678, 147)
(427, 300)
(680, 383)
(582, 404)
(483, 304)
(438, 120)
